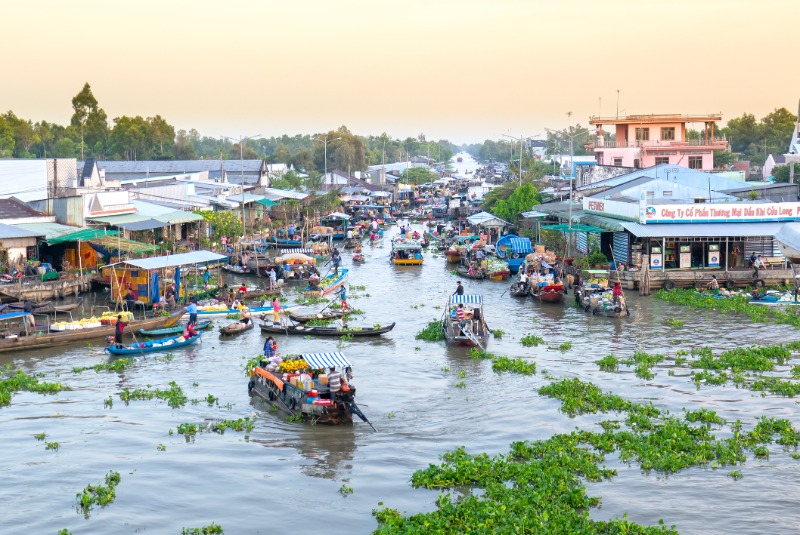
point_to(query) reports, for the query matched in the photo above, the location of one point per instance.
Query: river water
(286, 476)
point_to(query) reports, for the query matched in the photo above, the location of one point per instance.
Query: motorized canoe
(327, 315)
(328, 285)
(472, 329)
(235, 328)
(519, 289)
(12, 342)
(151, 346)
(548, 293)
(230, 268)
(326, 331)
(178, 329)
(219, 311)
(315, 404)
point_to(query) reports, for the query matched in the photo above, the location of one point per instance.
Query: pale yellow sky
(463, 70)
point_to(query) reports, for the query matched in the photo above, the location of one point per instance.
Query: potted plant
(598, 259)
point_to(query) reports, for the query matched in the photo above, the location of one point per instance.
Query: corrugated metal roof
(149, 209)
(702, 230)
(169, 167)
(147, 224)
(16, 209)
(176, 217)
(274, 194)
(606, 223)
(485, 218)
(13, 231)
(55, 233)
(183, 259)
(118, 219)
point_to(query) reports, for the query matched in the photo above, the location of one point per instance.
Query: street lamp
(521, 140)
(325, 143)
(241, 167)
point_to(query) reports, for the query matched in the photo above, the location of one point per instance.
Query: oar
(135, 341)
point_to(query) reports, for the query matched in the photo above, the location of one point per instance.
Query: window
(668, 134)
(695, 162)
(642, 134)
(662, 159)
(618, 162)
(30, 252)
(667, 194)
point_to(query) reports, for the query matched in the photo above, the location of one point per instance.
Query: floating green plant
(566, 346)
(462, 374)
(390, 415)
(161, 447)
(211, 529)
(18, 381)
(345, 491)
(433, 332)
(497, 333)
(99, 494)
(117, 365)
(530, 340)
(40, 436)
(461, 384)
(609, 363)
(515, 365)
(52, 446)
(295, 417)
(174, 395)
(672, 322)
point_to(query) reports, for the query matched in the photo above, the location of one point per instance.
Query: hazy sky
(463, 70)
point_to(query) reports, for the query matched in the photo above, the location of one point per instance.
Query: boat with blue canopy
(338, 222)
(406, 252)
(298, 385)
(467, 328)
(513, 249)
(177, 329)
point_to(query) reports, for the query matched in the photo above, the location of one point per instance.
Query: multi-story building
(648, 140)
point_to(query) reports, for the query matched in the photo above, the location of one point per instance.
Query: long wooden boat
(548, 293)
(453, 256)
(58, 338)
(239, 270)
(326, 331)
(328, 285)
(284, 243)
(519, 290)
(599, 302)
(34, 289)
(327, 315)
(317, 405)
(217, 312)
(406, 252)
(151, 346)
(236, 328)
(463, 271)
(177, 329)
(257, 263)
(472, 331)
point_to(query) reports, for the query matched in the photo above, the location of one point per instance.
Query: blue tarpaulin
(155, 292)
(178, 281)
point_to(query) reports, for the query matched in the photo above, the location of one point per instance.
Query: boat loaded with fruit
(312, 386)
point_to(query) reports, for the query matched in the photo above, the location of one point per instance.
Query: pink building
(648, 140)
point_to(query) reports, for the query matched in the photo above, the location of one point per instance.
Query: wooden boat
(326, 331)
(406, 252)
(151, 346)
(277, 389)
(237, 269)
(236, 328)
(12, 342)
(359, 258)
(257, 263)
(472, 331)
(284, 243)
(453, 256)
(513, 249)
(219, 311)
(177, 329)
(463, 271)
(548, 292)
(34, 289)
(599, 302)
(327, 315)
(328, 285)
(519, 290)
(255, 294)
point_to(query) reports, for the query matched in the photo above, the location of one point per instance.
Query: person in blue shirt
(206, 278)
(342, 292)
(291, 231)
(192, 310)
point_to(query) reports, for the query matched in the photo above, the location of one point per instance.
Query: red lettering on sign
(597, 206)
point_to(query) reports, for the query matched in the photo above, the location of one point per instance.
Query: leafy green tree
(723, 158)
(6, 138)
(89, 120)
(66, 148)
(522, 199)
(418, 175)
(184, 150)
(223, 223)
(781, 172)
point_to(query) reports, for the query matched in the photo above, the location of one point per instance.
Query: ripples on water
(287, 475)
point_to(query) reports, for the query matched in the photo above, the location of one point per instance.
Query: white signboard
(722, 212)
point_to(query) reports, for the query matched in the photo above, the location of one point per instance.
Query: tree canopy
(508, 202)
(756, 139)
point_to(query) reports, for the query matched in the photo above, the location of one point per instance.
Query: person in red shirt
(616, 292)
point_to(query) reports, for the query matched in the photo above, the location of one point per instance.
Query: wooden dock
(697, 278)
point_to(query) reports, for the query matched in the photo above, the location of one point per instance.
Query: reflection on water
(406, 387)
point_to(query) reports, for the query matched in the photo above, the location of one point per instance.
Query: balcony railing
(661, 144)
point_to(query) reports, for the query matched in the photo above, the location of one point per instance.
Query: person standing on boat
(291, 231)
(169, 296)
(616, 292)
(276, 312)
(27, 307)
(334, 382)
(459, 289)
(336, 258)
(119, 329)
(269, 349)
(206, 278)
(273, 279)
(192, 310)
(342, 292)
(244, 315)
(714, 284)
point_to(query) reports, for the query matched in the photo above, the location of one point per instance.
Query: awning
(318, 361)
(703, 230)
(117, 219)
(108, 245)
(335, 215)
(467, 299)
(606, 223)
(183, 259)
(532, 214)
(12, 315)
(267, 202)
(86, 234)
(564, 227)
(487, 220)
(305, 250)
(147, 224)
(176, 217)
(55, 233)
(521, 245)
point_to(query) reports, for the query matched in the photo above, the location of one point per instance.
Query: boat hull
(407, 261)
(231, 330)
(141, 350)
(453, 258)
(201, 325)
(332, 287)
(325, 331)
(67, 337)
